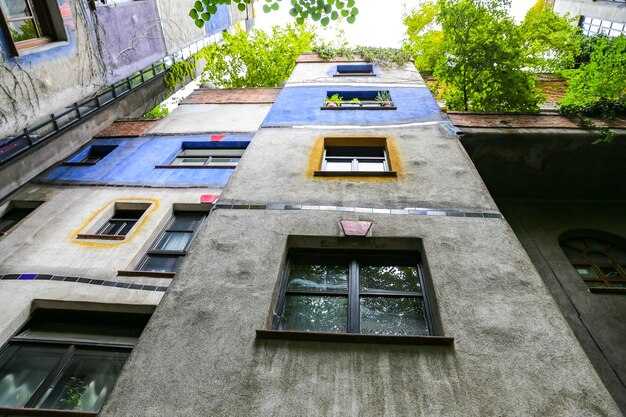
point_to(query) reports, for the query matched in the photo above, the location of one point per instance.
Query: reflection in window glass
(390, 315)
(315, 313)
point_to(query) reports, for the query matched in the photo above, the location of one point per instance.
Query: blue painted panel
(219, 21)
(133, 161)
(301, 106)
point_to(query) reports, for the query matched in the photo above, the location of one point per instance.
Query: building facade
(607, 17)
(334, 247)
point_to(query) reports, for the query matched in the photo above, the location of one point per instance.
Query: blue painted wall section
(132, 37)
(133, 161)
(219, 21)
(301, 106)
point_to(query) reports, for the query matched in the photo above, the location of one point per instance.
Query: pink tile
(208, 198)
(355, 228)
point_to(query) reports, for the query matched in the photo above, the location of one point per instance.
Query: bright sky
(374, 26)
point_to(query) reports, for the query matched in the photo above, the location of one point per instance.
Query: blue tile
(27, 276)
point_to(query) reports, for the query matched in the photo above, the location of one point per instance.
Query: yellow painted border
(317, 152)
(153, 207)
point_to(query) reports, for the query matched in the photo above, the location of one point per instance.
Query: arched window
(599, 258)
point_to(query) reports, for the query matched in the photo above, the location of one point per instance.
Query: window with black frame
(170, 247)
(121, 223)
(365, 292)
(66, 360)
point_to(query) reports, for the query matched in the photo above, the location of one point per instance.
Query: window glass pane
(85, 381)
(339, 165)
(22, 30)
(224, 161)
(315, 313)
(393, 316)
(195, 152)
(389, 278)
(160, 263)
(24, 372)
(14, 8)
(318, 277)
(128, 214)
(597, 244)
(610, 272)
(598, 258)
(585, 271)
(189, 161)
(173, 241)
(618, 254)
(371, 166)
(186, 221)
(356, 151)
(573, 255)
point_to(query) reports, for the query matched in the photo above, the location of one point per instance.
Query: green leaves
(322, 11)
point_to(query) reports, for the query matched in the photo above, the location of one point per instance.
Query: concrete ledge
(355, 338)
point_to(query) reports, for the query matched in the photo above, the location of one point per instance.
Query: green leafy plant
(334, 101)
(179, 72)
(356, 101)
(74, 390)
(384, 98)
(383, 57)
(157, 112)
(256, 59)
(424, 40)
(322, 11)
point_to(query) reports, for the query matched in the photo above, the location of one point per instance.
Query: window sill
(40, 48)
(355, 338)
(360, 108)
(355, 74)
(607, 290)
(36, 412)
(100, 237)
(355, 174)
(149, 274)
(194, 166)
(79, 164)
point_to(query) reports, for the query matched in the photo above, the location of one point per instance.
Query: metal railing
(48, 127)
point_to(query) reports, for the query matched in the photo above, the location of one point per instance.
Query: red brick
(127, 128)
(494, 120)
(232, 96)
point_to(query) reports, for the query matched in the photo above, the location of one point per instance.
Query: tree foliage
(322, 11)
(383, 57)
(550, 40)
(482, 66)
(424, 39)
(256, 59)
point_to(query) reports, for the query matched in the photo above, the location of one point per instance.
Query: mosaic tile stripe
(116, 284)
(405, 211)
(96, 184)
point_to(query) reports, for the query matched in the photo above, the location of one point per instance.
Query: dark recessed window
(29, 23)
(16, 212)
(170, 247)
(354, 292)
(600, 260)
(354, 70)
(355, 159)
(359, 100)
(67, 360)
(120, 224)
(97, 152)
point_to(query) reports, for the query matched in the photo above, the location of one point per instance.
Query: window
(121, 222)
(355, 157)
(599, 258)
(92, 155)
(208, 155)
(170, 247)
(353, 70)
(381, 293)
(593, 25)
(15, 213)
(358, 100)
(64, 360)
(29, 23)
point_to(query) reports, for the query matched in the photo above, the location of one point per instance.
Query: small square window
(15, 213)
(355, 70)
(380, 293)
(91, 156)
(30, 23)
(208, 155)
(121, 223)
(358, 100)
(355, 157)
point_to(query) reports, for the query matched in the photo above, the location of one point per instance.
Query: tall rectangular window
(354, 292)
(29, 23)
(67, 360)
(121, 222)
(170, 247)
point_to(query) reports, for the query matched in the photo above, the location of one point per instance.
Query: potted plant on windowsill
(355, 102)
(383, 98)
(334, 101)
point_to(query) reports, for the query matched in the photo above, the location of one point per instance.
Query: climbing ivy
(179, 71)
(383, 57)
(322, 11)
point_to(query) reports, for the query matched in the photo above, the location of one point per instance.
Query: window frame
(119, 220)
(339, 73)
(356, 159)
(353, 293)
(153, 252)
(91, 156)
(237, 147)
(70, 348)
(367, 100)
(43, 18)
(365, 142)
(19, 205)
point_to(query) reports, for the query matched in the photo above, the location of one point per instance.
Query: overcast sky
(374, 26)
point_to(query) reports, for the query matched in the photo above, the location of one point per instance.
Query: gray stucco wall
(606, 10)
(514, 354)
(598, 320)
(178, 28)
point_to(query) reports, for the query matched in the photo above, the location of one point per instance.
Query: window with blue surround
(66, 360)
(358, 100)
(91, 155)
(223, 154)
(354, 70)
